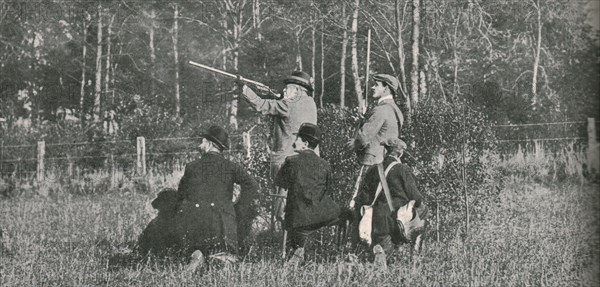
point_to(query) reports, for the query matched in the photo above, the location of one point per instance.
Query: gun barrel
(226, 74)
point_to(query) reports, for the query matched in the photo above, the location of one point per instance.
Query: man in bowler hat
(295, 107)
(207, 216)
(307, 177)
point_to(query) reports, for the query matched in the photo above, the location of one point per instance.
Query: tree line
(517, 61)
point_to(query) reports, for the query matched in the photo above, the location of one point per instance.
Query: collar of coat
(306, 151)
(389, 159)
(214, 153)
(385, 98)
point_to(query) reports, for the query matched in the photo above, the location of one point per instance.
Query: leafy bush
(449, 142)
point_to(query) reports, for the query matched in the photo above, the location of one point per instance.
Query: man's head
(384, 85)
(308, 136)
(394, 147)
(297, 83)
(214, 139)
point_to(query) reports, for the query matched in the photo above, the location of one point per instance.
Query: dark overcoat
(307, 177)
(403, 188)
(207, 217)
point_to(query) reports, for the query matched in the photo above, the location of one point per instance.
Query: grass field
(537, 235)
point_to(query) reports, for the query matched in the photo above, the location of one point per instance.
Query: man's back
(308, 180)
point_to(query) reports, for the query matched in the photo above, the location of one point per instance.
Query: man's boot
(380, 259)
(297, 258)
(196, 262)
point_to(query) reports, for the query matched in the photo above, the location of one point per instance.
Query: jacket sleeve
(245, 206)
(283, 177)
(184, 184)
(266, 106)
(410, 185)
(246, 181)
(370, 128)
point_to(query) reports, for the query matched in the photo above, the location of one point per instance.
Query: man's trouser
(299, 236)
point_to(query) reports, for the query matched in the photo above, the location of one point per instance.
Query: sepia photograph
(299, 143)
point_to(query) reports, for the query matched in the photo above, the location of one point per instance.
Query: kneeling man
(307, 177)
(207, 216)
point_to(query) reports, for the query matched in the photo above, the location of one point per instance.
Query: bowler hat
(310, 130)
(393, 144)
(389, 80)
(300, 78)
(217, 135)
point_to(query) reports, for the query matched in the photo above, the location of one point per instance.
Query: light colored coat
(382, 123)
(288, 114)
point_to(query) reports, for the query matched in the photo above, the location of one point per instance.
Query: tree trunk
(455, 52)
(98, 88)
(256, 19)
(322, 67)
(108, 60)
(152, 54)
(83, 67)
(415, 55)
(237, 30)
(343, 58)
(298, 34)
(174, 35)
(313, 55)
(538, 46)
(355, 75)
(401, 55)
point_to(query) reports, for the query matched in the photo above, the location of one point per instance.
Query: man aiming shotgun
(294, 108)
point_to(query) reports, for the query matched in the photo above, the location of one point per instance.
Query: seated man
(207, 218)
(307, 178)
(159, 237)
(402, 184)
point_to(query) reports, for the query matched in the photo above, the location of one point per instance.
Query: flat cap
(389, 80)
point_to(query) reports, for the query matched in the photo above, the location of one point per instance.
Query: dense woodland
(519, 61)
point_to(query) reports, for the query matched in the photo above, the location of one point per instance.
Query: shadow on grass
(121, 256)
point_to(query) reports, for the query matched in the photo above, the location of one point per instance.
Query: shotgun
(260, 86)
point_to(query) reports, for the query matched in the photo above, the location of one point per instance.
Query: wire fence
(73, 159)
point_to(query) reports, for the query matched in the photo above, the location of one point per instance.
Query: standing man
(307, 177)
(207, 217)
(402, 188)
(295, 108)
(384, 121)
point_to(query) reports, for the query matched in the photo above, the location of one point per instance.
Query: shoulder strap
(384, 181)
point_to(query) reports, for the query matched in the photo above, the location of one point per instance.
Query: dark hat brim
(215, 140)
(298, 81)
(307, 135)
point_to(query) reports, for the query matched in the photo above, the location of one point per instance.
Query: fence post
(69, 167)
(593, 148)
(41, 151)
(112, 171)
(247, 140)
(141, 155)
(1, 156)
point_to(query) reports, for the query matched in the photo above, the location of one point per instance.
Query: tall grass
(539, 163)
(540, 232)
(536, 235)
